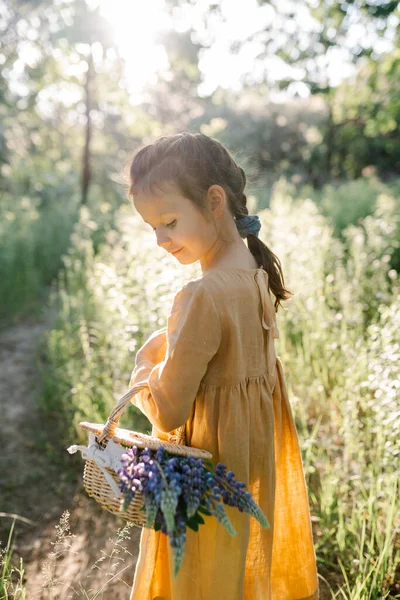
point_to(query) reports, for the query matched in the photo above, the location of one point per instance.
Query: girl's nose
(163, 240)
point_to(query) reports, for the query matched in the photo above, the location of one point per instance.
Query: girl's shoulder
(231, 276)
(221, 282)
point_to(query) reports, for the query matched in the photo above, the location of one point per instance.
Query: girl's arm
(155, 347)
(192, 335)
(151, 353)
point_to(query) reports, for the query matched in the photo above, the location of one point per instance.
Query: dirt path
(34, 485)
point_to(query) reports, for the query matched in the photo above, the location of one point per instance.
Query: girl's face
(179, 225)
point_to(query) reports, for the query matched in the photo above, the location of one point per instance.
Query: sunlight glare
(136, 26)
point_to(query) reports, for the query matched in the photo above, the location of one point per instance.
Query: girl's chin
(183, 259)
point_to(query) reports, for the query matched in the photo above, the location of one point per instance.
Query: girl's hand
(154, 349)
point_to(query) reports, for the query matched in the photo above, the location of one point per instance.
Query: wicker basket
(106, 445)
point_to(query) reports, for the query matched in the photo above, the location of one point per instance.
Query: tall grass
(12, 586)
(54, 587)
(344, 203)
(340, 346)
(34, 236)
(32, 241)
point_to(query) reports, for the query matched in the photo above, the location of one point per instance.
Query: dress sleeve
(193, 338)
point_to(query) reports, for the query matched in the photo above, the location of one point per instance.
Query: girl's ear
(216, 200)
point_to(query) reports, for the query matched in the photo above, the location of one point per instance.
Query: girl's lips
(176, 251)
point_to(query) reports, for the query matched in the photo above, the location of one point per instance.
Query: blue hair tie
(248, 224)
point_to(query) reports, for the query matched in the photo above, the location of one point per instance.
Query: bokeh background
(306, 96)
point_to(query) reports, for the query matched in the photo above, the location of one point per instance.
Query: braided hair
(193, 162)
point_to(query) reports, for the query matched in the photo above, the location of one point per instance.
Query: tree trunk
(86, 172)
(329, 141)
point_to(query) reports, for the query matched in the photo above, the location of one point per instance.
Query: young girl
(214, 370)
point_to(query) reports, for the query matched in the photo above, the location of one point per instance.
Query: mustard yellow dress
(220, 375)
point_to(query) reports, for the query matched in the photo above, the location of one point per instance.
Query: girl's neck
(238, 257)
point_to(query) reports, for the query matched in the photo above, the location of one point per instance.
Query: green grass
(11, 577)
(32, 241)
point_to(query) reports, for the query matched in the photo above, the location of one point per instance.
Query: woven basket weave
(94, 481)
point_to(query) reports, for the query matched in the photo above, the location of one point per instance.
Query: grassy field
(339, 344)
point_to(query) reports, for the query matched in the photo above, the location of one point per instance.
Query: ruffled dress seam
(261, 377)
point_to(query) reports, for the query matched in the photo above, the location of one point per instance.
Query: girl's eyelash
(172, 224)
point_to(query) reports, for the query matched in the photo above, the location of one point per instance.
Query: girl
(214, 370)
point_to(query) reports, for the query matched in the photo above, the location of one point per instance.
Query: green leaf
(203, 510)
(198, 518)
(126, 502)
(143, 508)
(209, 464)
(157, 526)
(193, 524)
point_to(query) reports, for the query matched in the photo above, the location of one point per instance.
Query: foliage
(335, 134)
(32, 241)
(11, 577)
(347, 202)
(366, 117)
(64, 546)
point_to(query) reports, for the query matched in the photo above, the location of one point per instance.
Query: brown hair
(193, 162)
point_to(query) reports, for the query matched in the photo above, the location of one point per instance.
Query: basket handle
(177, 436)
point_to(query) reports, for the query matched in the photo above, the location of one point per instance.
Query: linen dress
(221, 376)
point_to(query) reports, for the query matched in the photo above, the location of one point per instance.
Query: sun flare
(136, 26)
